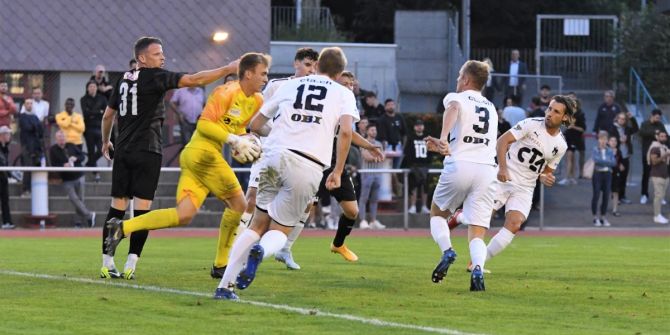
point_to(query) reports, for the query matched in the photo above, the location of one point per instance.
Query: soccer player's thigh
(478, 205)
(146, 170)
(254, 174)
(191, 184)
(346, 190)
(503, 192)
(452, 187)
(518, 207)
(300, 181)
(121, 177)
(222, 181)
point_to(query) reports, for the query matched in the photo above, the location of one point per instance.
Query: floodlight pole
(465, 33)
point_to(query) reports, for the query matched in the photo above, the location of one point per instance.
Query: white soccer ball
(256, 141)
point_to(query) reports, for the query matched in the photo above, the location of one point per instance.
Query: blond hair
(477, 71)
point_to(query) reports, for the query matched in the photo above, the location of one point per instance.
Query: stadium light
(219, 36)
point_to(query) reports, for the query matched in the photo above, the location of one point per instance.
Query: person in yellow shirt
(71, 123)
(229, 109)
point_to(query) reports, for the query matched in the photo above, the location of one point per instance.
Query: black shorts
(575, 142)
(135, 174)
(418, 178)
(344, 193)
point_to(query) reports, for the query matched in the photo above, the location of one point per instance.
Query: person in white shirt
(530, 150)
(308, 111)
(40, 106)
(512, 112)
(469, 132)
(516, 84)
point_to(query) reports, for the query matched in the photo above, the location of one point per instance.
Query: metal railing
(288, 20)
(40, 195)
(639, 96)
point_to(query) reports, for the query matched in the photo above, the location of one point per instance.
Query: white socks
(108, 261)
(293, 235)
(440, 232)
(478, 252)
(499, 242)
(238, 256)
(273, 241)
(131, 262)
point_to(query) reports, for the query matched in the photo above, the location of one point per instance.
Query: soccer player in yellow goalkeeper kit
(229, 109)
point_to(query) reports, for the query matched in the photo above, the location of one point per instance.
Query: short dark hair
(369, 94)
(249, 60)
(656, 111)
(348, 74)
(303, 53)
(536, 100)
(545, 86)
(388, 100)
(143, 43)
(132, 60)
(69, 99)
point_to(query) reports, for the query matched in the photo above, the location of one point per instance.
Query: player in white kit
(536, 146)
(309, 108)
(468, 140)
(304, 64)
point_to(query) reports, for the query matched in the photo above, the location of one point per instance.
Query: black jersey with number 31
(138, 98)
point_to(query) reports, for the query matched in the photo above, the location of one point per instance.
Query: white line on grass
(299, 310)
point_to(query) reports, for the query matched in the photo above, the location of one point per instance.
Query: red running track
(213, 232)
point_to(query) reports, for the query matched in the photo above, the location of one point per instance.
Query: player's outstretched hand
(106, 148)
(333, 181)
(503, 175)
(378, 154)
(547, 179)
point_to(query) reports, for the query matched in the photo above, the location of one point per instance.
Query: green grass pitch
(539, 285)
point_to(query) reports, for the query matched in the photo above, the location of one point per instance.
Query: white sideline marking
(299, 310)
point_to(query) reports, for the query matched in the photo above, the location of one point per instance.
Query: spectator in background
(503, 125)
(31, 134)
(362, 126)
(132, 65)
(491, 83)
(574, 136)
(604, 160)
(622, 130)
(188, 103)
(648, 131)
(512, 112)
(70, 155)
(538, 108)
(100, 79)
(7, 105)
(417, 159)
(515, 85)
(93, 107)
(545, 97)
(607, 111)
(613, 143)
(71, 124)
(40, 107)
(658, 157)
(391, 129)
(370, 184)
(5, 138)
(372, 109)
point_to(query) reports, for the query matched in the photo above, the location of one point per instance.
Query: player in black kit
(138, 100)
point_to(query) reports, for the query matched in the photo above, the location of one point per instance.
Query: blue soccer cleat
(225, 294)
(477, 279)
(247, 275)
(440, 271)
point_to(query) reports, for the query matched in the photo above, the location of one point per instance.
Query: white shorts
(471, 184)
(513, 197)
(288, 183)
(254, 174)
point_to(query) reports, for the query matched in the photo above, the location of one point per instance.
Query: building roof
(76, 35)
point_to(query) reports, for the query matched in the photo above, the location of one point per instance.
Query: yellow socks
(227, 233)
(158, 219)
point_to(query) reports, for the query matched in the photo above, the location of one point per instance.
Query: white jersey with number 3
(533, 150)
(309, 110)
(473, 137)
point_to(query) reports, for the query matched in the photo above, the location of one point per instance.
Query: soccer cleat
(217, 272)
(115, 227)
(453, 220)
(345, 252)
(225, 294)
(247, 275)
(128, 274)
(470, 267)
(286, 257)
(477, 279)
(106, 272)
(441, 269)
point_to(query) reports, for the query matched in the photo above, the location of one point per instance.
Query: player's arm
(107, 123)
(259, 125)
(343, 145)
(547, 177)
(203, 78)
(370, 149)
(78, 124)
(451, 111)
(501, 151)
(63, 120)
